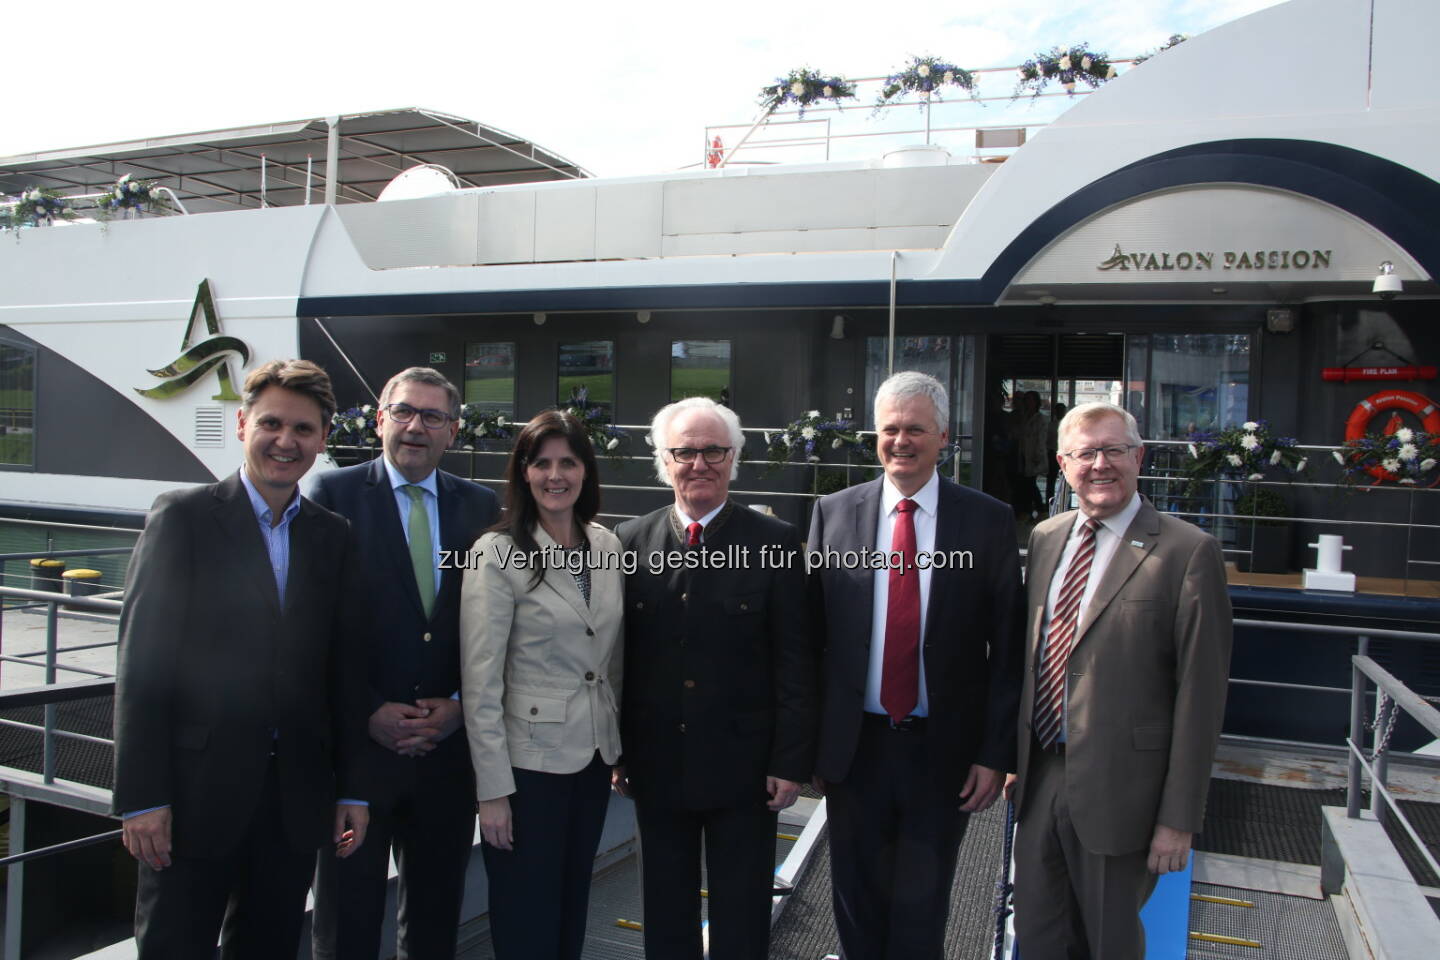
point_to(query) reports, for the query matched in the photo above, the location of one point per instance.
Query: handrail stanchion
(52, 614)
(1357, 734)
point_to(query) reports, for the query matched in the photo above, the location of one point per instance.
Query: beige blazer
(539, 670)
(1147, 681)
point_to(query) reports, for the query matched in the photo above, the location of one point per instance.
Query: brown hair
(426, 375)
(521, 514)
(302, 376)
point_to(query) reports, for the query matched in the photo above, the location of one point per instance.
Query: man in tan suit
(1128, 652)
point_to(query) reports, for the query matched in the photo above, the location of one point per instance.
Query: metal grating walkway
(1288, 928)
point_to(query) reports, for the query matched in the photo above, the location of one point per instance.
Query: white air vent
(210, 426)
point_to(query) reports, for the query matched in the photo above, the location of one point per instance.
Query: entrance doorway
(1030, 381)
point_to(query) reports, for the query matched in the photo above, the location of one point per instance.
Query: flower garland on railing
(1241, 453)
(605, 437)
(39, 205)
(1077, 64)
(1175, 40)
(352, 427)
(128, 194)
(927, 76)
(1407, 457)
(804, 87)
(477, 426)
(811, 435)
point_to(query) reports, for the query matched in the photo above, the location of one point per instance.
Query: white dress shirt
(685, 520)
(1108, 537)
(927, 499)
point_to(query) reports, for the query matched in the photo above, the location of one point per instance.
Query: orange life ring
(1421, 406)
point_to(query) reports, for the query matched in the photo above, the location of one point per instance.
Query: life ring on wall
(1421, 406)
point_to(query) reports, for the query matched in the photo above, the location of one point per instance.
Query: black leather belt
(908, 725)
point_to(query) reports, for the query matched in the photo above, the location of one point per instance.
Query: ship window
(1183, 382)
(17, 405)
(700, 368)
(490, 377)
(951, 360)
(587, 374)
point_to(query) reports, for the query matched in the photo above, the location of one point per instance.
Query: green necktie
(421, 556)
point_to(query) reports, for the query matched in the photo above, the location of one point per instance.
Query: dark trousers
(739, 845)
(540, 890)
(1070, 903)
(429, 822)
(252, 899)
(894, 837)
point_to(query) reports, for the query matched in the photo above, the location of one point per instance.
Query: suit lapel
(948, 523)
(303, 546)
(1040, 569)
(1138, 541)
(452, 534)
(385, 512)
(559, 580)
(236, 517)
(866, 519)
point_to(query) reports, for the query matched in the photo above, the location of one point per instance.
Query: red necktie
(1050, 690)
(900, 674)
(692, 534)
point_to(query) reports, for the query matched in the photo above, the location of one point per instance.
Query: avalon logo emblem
(196, 361)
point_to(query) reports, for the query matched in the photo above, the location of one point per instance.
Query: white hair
(660, 431)
(1085, 414)
(912, 383)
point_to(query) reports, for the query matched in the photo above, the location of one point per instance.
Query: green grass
(22, 397)
(490, 390)
(17, 448)
(697, 382)
(602, 387)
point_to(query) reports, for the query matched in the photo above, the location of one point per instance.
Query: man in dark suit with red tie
(916, 591)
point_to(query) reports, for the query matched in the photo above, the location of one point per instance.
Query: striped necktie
(1050, 691)
(422, 555)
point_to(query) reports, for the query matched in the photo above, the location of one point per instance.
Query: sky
(625, 87)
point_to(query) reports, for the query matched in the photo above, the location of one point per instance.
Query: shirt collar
(685, 521)
(397, 479)
(927, 498)
(262, 509)
(1116, 523)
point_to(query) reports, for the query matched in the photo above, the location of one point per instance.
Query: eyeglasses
(404, 413)
(711, 455)
(1113, 452)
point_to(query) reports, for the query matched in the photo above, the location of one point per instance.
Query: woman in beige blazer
(540, 685)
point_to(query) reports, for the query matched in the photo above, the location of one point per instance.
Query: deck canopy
(222, 169)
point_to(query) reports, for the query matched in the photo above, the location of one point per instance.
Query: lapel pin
(1136, 543)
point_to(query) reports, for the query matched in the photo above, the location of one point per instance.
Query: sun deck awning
(222, 169)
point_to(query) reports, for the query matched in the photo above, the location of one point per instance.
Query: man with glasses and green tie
(720, 702)
(420, 787)
(1127, 657)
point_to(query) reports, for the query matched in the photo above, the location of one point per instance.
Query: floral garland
(1067, 66)
(39, 205)
(128, 194)
(804, 87)
(926, 76)
(605, 438)
(352, 427)
(477, 426)
(1175, 40)
(811, 433)
(1407, 457)
(1242, 453)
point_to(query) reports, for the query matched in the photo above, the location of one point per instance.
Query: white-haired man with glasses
(719, 712)
(1126, 661)
(405, 511)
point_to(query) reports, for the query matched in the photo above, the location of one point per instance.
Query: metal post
(890, 344)
(15, 881)
(332, 160)
(51, 650)
(1357, 734)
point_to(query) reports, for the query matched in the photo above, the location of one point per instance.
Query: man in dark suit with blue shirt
(916, 593)
(417, 775)
(234, 744)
